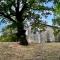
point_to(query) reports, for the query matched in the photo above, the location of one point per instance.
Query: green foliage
(56, 20)
(9, 34)
(56, 31)
(8, 38)
(8, 7)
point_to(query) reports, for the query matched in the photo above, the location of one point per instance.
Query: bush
(8, 38)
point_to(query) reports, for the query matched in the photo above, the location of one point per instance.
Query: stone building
(40, 37)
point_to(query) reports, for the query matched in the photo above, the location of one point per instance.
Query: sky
(48, 20)
(50, 17)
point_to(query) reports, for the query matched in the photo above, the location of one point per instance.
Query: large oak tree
(19, 10)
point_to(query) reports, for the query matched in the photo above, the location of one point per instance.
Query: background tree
(56, 20)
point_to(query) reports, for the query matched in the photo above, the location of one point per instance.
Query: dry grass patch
(14, 51)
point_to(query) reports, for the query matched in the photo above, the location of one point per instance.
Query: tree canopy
(18, 11)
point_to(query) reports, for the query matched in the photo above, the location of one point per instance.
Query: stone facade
(40, 37)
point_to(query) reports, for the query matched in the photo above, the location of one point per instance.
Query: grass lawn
(14, 51)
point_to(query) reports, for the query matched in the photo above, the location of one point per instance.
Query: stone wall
(40, 37)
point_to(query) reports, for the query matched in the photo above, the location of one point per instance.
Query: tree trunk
(20, 31)
(20, 26)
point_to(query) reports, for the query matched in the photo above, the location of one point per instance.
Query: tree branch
(57, 27)
(17, 6)
(7, 16)
(23, 9)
